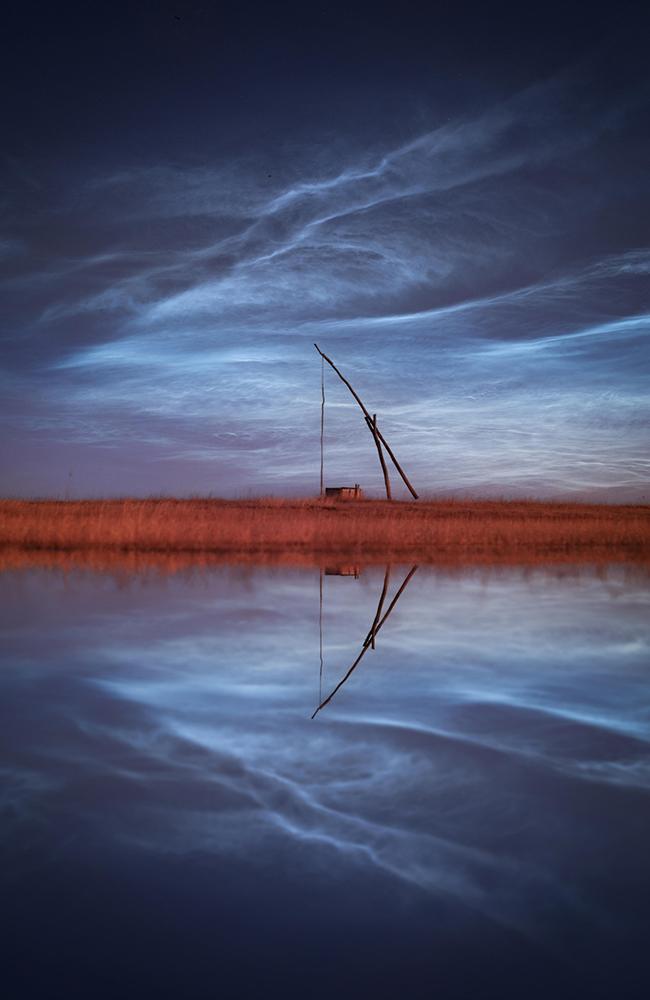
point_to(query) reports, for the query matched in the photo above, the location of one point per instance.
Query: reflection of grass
(303, 530)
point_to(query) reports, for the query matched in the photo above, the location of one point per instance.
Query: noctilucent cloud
(456, 207)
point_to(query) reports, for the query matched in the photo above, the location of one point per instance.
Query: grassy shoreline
(299, 531)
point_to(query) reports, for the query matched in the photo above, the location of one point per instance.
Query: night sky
(453, 201)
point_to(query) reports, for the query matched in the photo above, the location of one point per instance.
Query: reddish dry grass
(311, 531)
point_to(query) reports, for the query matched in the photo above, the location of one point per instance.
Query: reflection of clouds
(188, 297)
(256, 802)
(497, 715)
(164, 792)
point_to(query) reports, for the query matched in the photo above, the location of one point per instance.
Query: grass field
(299, 531)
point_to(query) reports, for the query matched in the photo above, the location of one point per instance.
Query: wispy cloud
(460, 265)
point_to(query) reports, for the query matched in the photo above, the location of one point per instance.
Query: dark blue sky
(453, 202)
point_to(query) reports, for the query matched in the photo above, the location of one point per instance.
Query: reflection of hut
(344, 570)
(344, 492)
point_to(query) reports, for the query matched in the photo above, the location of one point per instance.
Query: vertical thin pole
(322, 422)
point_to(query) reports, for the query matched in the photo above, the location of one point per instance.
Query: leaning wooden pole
(376, 433)
(372, 424)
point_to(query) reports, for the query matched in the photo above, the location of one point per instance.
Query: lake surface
(469, 816)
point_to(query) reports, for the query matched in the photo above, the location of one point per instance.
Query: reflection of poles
(380, 607)
(369, 641)
(320, 634)
(374, 430)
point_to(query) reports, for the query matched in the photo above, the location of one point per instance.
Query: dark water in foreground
(468, 817)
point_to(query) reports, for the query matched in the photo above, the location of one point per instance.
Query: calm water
(469, 816)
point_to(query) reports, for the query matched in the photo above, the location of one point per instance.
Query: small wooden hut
(344, 492)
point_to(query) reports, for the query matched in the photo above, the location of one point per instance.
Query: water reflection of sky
(469, 812)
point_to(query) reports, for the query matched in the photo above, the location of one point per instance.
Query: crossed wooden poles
(369, 641)
(378, 437)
